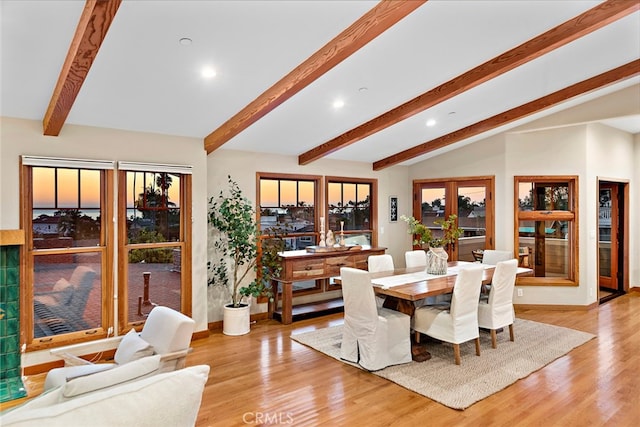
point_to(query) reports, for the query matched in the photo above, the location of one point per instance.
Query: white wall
(242, 167)
(19, 137)
(634, 244)
(588, 151)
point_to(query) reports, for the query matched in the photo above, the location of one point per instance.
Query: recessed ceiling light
(431, 122)
(208, 72)
(338, 103)
(185, 41)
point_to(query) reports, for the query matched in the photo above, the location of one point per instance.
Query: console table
(301, 265)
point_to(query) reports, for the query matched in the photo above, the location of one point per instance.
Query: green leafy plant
(236, 236)
(422, 235)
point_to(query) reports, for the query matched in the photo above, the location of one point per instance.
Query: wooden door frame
(451, 184)
(623, 224)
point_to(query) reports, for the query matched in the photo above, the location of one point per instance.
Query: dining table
(403, 287)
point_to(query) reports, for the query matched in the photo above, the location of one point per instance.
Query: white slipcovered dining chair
(460, 323)
(418, 258)
(415, 258)
(493, 257)
(166, 332)
(373, 337)
(497, 312)
(376, 264)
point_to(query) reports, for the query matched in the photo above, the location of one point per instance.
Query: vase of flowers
(437, 255)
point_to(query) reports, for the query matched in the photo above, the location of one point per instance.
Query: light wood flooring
(265, 378)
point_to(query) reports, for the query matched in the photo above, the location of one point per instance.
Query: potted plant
(235, 239)
(437, 255)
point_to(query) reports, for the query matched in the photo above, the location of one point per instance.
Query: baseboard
(217, 326)
(200, 335)
(555, 307)
(634, 289)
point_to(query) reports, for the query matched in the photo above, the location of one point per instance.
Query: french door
(471, 199)
(608, 236)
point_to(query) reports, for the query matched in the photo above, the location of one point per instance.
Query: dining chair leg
(511, 332)
(494, 339)
(456, 353)
(478, 346)
(417, 337)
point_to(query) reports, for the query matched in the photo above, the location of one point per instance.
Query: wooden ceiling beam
(383, 16)
(621, 73)
(94, 23)
(585, 23)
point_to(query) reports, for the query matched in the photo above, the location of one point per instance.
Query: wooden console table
(302, 265)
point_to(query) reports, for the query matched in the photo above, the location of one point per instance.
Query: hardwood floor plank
(265, 378)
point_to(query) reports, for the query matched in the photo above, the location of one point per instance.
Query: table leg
(287, 298)
(419, 351)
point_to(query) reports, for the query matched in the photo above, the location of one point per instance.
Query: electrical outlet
(520, 293)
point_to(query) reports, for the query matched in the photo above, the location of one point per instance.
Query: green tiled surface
(11, 386)
(11, 389)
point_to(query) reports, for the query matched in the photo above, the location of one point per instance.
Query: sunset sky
(44, 186)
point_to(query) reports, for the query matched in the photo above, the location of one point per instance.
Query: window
(289, 203)
(546, 215)
(65, 212)
(288, 207)
(350, 203)
(470, 198)
(154, 249)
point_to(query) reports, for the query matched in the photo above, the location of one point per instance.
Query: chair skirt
(386, 343)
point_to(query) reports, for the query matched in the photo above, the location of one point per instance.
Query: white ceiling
(143, 79)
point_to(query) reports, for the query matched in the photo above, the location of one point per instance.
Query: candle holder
(322, 243)
(342, 243)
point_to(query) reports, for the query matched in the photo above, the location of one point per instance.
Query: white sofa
(134, 394)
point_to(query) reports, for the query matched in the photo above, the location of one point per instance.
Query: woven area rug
(440, 379)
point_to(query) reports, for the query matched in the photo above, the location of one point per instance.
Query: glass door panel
(472, 219)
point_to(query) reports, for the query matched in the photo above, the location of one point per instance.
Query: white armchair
(497, 312)
(460, 323)
(372, 337)
(166, 333)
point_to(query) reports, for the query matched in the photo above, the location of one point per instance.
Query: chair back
(416, 258)
(82, 282)
(502, 284)
(378, 263)
(466, 293)
(493, 257)
(167, 330)
(359, 301)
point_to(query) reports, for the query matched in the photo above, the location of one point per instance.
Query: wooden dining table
(405, 286)
(403, 294)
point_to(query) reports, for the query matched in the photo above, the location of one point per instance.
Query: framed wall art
(393, 208)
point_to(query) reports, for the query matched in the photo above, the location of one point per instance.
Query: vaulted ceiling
(473, 67)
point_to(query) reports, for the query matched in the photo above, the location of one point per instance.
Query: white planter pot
(235, 320)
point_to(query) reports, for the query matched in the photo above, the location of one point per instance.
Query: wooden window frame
(184, 244)
(568, 215)
(373, 201)
(29, 253)
(451, 184)
(317, 180)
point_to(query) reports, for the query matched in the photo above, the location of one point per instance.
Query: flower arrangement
(422, 234)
